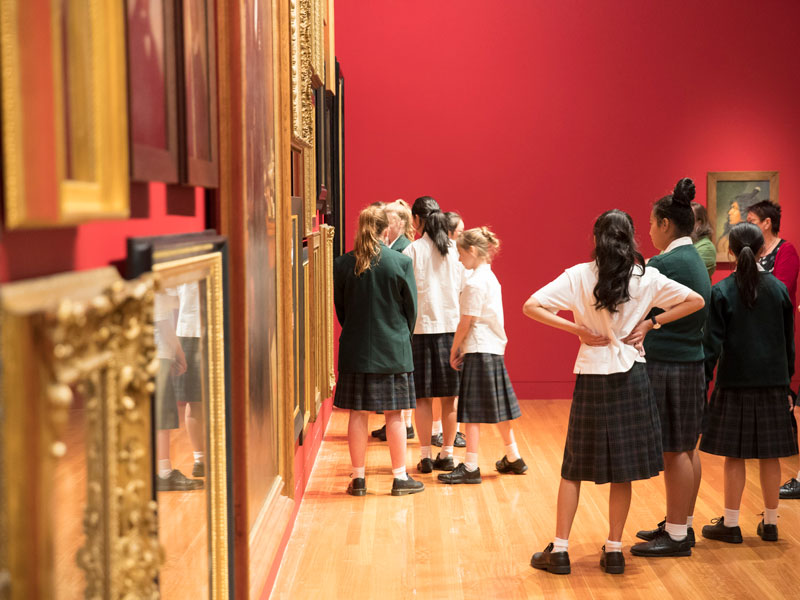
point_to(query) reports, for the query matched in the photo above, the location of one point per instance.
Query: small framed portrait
(730, 195)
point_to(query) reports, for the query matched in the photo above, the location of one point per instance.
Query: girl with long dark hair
(750, 333)
(614, 435)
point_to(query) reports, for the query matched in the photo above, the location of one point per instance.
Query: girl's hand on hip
(636, 336)
(590, 338)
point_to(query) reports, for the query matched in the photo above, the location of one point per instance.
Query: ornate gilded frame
(329, 371)
(37, 143)
(92, 332)
(179, 259)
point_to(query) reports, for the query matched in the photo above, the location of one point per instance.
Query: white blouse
(482, 298)
(573, 291)
(439, 282)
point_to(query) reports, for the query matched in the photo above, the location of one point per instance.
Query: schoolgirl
(614, 435)
(440, 278)
(674, 355)
(375, 296)
(485, 394)
(750, 333)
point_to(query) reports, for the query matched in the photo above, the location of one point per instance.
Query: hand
(179, 364)
(636, 336)
(791, 404)
(456, 359)
(590, 338)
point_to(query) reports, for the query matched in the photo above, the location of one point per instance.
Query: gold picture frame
(80, 335)
(329, 374)
(66, 154)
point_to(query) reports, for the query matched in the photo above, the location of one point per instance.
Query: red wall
(533, 117)
(156, 209)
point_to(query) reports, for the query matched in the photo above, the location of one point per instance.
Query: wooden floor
(476, 541)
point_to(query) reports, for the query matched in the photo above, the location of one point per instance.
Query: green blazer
(377, 311)
(401, 243)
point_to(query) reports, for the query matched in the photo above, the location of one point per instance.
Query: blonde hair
(481, 238)
(372, 222)
(401, 208)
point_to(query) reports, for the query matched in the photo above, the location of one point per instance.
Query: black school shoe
(612, 562)
(552, 562)
(357, 487)
(403, 487)
(518, 467)
(444, 464)
(461, 475)
(437, 440)
(768, 533)
(409, 432)
(790, 490)
(425, 466)
(649, 534)
(718, 531)
(177, 482)
(380, 434)
(663, 545)
(199, 469)
(460, 441)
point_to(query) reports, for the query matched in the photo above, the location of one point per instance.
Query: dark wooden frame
(150, 163)
(338, 203)
(193, 170)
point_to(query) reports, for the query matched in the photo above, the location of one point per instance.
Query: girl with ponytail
(750, 333)
(376, 303)
(675, 369)
(485, 394)
(613, 434)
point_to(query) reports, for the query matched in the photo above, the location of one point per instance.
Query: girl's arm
(464, 325)
(692, 303)
(535, 311)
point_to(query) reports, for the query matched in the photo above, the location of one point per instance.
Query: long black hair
(435, 222)
(745, 241)
(616, 257)
(677, 207)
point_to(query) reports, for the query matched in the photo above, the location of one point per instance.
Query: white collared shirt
(678, 242)
(439, 283)
(573, 290)
(482, 298)
(189, 321)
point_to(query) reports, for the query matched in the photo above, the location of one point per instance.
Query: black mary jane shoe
(357, 487)
(718, 531)
(403, 487)
(552, 562)
(663, 545)
(612, 562)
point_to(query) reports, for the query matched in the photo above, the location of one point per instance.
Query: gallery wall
(533, 117)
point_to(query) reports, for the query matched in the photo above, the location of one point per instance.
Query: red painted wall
(156, 209)
(533, 117)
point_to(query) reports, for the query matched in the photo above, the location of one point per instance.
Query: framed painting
(197, 78)
(78, 364)
(299, 256)
(730, 194)
(153, 103)
(64, 112)
(191, 410)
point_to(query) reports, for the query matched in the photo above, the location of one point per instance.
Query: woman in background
(701, 236)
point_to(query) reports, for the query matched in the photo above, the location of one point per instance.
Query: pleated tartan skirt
(614, 433)
(485, 394)
(749, 423)
(375, 391)
(433, 375)
(679, 392)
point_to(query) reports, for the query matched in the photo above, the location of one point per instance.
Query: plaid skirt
(486, 395)
(433, 375)
(679, 392)
(375, 391)
(614, 433)
(749, 423)
(189, 386)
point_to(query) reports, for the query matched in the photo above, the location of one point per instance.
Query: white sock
(198, 456)
(437, 428)
(400, 473)
(613, 546)
(512, 454)
(560, 545)
(424, 451)
(408, 417)
(689, 520)
(447, 451)
(164, 468)
(358, 472)
(471, 461)
(731, 518)
(678, 532)
(770, 516)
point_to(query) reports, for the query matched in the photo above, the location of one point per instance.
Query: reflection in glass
(195, 49)
(181, 433)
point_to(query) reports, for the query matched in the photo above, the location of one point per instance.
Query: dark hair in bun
(677, 207)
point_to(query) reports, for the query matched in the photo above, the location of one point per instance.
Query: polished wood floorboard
(475, 541)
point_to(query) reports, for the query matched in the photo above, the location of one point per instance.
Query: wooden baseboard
(266, 535)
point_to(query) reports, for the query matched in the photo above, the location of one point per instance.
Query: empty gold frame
(64, 109)
(80, 338)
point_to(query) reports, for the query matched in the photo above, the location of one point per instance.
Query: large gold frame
(103, 152)
(94, 332)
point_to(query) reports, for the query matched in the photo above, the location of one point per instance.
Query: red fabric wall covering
(533, 117)
(156, 209)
